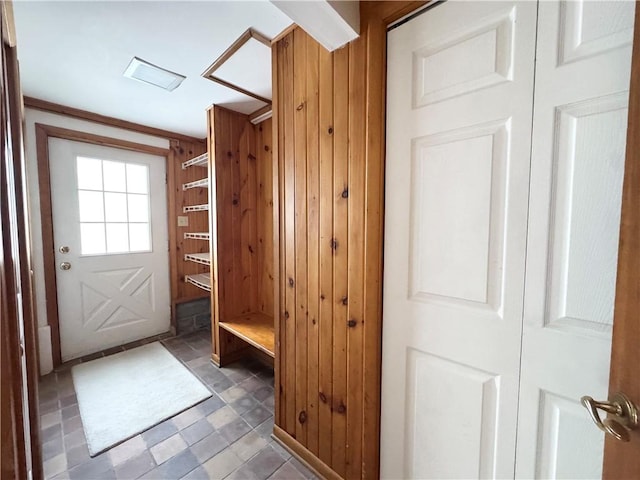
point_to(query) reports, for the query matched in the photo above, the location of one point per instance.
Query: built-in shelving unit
(200, 280)
(241, 226)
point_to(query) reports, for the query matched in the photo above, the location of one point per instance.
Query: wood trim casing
(32, 360)
(43, 133)
(621, 460)
(51, 107)
(227, 54)
(8, 27)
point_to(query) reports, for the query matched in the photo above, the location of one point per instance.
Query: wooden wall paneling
(299, 280)
(264, 217)
(288, 361)
(325, 354)
(288, 188)
(233, 204)
(340, 247)
(227, 144)
(277, 132)
(374, 30)
(221, 209)
(343, 209)
(247, 211)
(313, 236)
(356, 206)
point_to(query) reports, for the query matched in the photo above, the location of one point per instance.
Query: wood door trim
(43, 133)
(32, 357)
(51, 107)
(621, 459)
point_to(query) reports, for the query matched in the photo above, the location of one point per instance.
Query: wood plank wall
(181, 151)
(330, 196)
(264, 214)
(244, 220)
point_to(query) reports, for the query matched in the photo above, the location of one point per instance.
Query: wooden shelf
(199, 161)
(195, 208)
(202, 258)
(200, 280)
(202, 183)
(256, 329)
(197, 236)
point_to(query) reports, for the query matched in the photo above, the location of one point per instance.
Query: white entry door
(579, 136)
(110, 233)
(460, 92)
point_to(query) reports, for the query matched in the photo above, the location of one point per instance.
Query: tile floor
(227, 436)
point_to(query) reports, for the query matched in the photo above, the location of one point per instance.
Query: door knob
(64, 249)
(65, 266)
(624, 415)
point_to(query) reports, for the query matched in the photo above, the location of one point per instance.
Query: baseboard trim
(308, 459)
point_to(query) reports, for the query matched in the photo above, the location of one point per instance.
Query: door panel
(579, 132)
(458, 148)
(109, 209)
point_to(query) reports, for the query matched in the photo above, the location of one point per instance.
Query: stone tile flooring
(226, 436)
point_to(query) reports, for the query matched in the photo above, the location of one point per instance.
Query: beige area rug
(127, 393)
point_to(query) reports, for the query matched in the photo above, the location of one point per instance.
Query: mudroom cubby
(241, 226)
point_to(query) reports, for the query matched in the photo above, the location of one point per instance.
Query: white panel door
(579, 135)
(110, 213)
(460, 93)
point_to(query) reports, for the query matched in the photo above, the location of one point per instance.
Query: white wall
(31, 118)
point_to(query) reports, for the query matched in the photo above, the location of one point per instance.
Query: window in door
(113, 200)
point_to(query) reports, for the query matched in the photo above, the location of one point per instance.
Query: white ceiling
(74, 53)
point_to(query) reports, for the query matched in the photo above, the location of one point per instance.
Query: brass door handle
(624, 411)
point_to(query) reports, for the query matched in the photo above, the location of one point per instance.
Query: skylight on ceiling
(146, 72)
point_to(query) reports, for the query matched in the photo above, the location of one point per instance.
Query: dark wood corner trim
(45, 106)
(43, 133)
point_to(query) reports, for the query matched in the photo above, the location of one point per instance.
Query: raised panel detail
(93, 302)
(585, 214)
(458, 215)
(145, 293)
(476, 57)
(569, 444)
(436, 388)
(589, 28)
(120, 317)
(120, 278)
